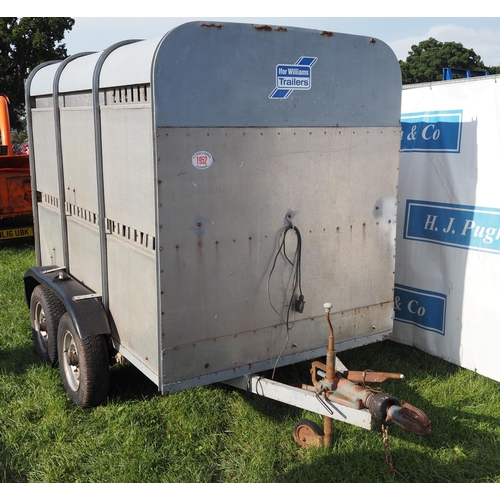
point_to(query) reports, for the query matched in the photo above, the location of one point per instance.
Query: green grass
(217, 434)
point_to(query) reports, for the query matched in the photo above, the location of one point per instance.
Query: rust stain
(263, 27)
(212, 25)
(327, 33)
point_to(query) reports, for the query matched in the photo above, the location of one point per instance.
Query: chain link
(365, 386)
(388, 454)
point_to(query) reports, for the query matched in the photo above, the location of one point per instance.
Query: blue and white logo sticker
(422, 308)
(431, 131)
(290, 77)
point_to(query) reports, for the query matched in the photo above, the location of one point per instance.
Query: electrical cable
(296, 284)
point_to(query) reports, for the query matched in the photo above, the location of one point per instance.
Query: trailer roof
(126, 65)
(227, 74)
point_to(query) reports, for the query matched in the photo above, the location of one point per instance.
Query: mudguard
(84, 306)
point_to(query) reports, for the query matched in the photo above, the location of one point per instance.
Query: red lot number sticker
(202, 160)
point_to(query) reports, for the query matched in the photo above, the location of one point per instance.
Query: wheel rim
(40, 324)
(70, 361)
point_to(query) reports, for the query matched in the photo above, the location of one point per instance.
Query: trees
(425, 61)
(26, 42)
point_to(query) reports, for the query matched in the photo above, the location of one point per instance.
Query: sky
(480, 34)
(476, 26)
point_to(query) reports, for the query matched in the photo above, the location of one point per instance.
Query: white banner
(447, 290)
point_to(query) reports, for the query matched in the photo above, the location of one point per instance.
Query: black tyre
(45, 311)
(83, 364)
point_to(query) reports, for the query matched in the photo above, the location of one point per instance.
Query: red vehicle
(16, 216)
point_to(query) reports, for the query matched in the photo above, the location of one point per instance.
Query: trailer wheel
(306, 433)
(83, 364)
(45, 311)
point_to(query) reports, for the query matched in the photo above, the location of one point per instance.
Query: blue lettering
(466, 227)
(421, 308)
(439, 131)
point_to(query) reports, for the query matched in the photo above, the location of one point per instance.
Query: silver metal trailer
(198, 197)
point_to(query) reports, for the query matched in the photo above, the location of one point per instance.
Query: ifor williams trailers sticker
(290, 77)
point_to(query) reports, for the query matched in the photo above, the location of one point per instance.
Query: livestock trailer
(199, 196)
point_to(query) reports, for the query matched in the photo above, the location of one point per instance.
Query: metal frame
(99, 168)
(59, 157)
(34, 195)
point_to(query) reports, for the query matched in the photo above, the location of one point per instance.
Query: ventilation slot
(134, 94)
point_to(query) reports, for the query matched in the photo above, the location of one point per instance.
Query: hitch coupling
(388, 410)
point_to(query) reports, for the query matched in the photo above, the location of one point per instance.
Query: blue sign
(460, 226)
(421, 308)
(431, 131)
(290, 77)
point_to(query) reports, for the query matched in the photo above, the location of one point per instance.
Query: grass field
(216, 434)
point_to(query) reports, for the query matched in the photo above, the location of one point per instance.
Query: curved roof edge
(129, 64)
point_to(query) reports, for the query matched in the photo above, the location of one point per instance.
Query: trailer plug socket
(299, 304)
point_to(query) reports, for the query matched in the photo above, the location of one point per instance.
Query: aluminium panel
(222, 74)
(50, 238)
(133, 302)
(221, 357)
(78, 74)
(220, 233)
(78, 154)
(42, 82)
(129, 64)
(128, 166)
(84, 252)
(44, 151)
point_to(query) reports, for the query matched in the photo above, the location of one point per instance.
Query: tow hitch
(339, 394)
(344, 387)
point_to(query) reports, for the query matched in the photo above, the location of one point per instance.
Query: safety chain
(367, 387)
(388, 454)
